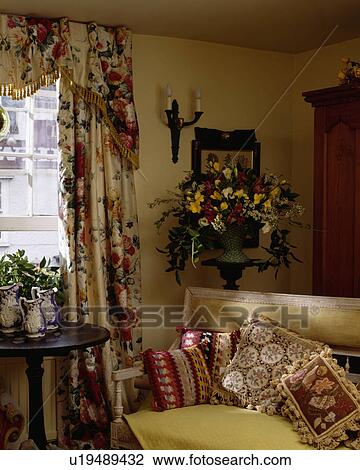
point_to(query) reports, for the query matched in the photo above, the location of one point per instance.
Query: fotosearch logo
(172, 316)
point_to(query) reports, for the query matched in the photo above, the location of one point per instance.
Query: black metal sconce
(176, 123)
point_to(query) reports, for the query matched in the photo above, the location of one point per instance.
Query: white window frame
(30, 222)
(27, 223)
(4, 196)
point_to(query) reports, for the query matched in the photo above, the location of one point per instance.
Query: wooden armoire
(336, 225)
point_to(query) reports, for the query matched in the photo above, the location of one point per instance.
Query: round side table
(68, 338)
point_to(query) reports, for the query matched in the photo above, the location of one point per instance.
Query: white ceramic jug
(11, 315)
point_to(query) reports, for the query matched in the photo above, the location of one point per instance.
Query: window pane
(36, 245)
(30, 182)
(49, 88)
(13, 163)
(3, 239)
(45, 133)
(15, 186)
(46, 101)
(16, 141)
(8, 102)
(45, 187)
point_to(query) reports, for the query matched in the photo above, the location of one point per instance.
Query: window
(4, 199)
(29, 176)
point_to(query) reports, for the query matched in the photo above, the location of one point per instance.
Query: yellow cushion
(212, 427)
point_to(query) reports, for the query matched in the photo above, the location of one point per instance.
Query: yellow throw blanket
(212, 427)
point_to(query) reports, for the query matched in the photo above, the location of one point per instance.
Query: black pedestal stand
(231, 272)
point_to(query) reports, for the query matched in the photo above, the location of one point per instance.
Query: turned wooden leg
(35, 373)
(118, 405)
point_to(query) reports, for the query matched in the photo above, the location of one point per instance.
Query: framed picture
(245, 157)
(240, 144)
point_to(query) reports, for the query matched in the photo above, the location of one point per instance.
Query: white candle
(198, 99)
(168, 96)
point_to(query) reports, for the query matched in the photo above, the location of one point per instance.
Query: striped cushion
(219, 348)
(178, 378)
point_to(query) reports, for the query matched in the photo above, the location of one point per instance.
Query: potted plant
(228, 204)
(16, 267)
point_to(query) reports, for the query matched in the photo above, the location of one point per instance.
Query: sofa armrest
(119, 376)
(142, 383)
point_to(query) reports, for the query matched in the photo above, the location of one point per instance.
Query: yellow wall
(239, 87)
(320, 73)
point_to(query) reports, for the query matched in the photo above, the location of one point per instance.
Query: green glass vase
(232, 240)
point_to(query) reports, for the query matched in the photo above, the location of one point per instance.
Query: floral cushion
(178, 378)
(263, 356)
(218, 348)
(323, 404)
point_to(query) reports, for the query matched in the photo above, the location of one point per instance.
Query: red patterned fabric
(178, 378)
(218, 348)
(323, 402)
(11, 421)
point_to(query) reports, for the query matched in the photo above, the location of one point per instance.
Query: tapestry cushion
(218, 348)
(265, 352)
(322, 403)
(178, 378)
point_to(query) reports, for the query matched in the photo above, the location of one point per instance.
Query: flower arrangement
(349, 72)
(209, 205)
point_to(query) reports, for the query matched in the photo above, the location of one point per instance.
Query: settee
(330, 320)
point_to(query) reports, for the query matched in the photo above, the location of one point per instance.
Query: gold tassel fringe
(89, 96)
(21, 93)
(94, 98)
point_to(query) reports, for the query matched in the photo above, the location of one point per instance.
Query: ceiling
(278, 25)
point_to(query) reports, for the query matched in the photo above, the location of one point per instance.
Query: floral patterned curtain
(102, 252)
(95, 61)
(99, 239)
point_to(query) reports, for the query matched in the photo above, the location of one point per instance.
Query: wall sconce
(176, 123)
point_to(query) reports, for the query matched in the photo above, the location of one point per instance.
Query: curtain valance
(94, 61)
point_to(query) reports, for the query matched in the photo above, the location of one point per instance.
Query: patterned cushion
(323, 404)
(265, 351)
(218, 348)
(178, 378)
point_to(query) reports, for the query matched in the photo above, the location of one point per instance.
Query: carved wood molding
(333, 95)
(340, 121)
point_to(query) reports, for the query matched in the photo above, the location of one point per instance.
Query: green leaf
(17, 268)
(164, 252)
(295, 258)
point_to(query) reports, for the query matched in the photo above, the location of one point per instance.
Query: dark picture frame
(240, 143)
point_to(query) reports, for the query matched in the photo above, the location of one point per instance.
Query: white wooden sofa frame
(332, 320)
